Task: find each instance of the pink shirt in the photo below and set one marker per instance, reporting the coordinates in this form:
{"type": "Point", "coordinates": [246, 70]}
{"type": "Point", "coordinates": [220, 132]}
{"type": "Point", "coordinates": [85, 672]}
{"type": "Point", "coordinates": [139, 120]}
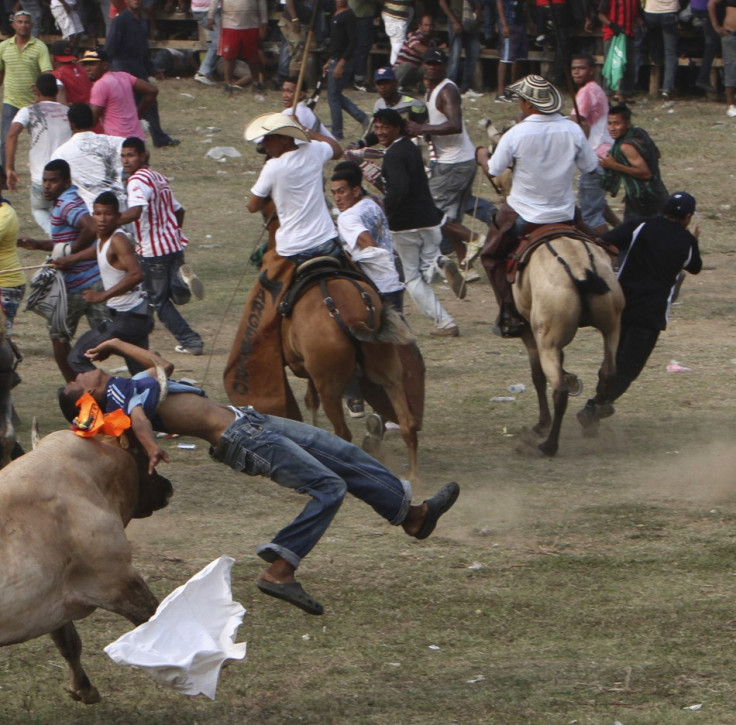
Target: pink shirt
{"type": "Point", "coordinates": [113, 92]}
{"type": "Point", "coordinates": [593, 106]}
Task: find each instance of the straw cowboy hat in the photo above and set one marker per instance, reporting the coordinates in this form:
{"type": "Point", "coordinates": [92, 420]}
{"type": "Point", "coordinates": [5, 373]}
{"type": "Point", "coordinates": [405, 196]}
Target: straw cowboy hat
{"type": "Point", "coordinates": [271, 124]}
{"type": "Point", "coordinates": [537, 91]}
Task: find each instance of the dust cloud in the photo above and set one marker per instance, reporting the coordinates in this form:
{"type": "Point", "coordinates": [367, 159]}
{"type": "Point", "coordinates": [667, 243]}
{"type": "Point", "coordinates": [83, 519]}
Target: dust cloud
{"type": "Point", "coordinates": [705, 474]}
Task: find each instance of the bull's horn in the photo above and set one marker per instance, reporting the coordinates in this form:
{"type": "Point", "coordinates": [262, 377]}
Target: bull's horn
{"type": "Point", "coordinates": [162, 382]}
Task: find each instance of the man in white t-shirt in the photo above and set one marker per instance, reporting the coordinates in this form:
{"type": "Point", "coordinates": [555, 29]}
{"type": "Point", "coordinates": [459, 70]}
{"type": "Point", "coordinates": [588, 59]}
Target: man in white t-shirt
{"type": "Point", "coordinates": [544, 151]}
{"type": "Point", "coordinates": [47, 124]}
{"type": "Point", "coordinates": [365, 236]}
{"type": "Point", "coordinates": [292, 177]}
{"type": "Point", "coordinates": [304, 114]}
{"type": "Point", "coordinates": [364, 233]}
{"type": "Point", "coordinates": [94, 158]}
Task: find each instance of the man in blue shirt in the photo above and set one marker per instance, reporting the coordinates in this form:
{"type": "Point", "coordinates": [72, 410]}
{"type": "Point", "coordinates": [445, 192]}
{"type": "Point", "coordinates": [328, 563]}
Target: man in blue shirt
{"type": "Point", "coordinates": [295, 455]}
{"type": "Point", "coordinates": [72, 230]}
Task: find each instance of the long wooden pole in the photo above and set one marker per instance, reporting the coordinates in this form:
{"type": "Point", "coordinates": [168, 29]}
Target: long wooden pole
{"type": "Point", "coordinates": [305, 58]}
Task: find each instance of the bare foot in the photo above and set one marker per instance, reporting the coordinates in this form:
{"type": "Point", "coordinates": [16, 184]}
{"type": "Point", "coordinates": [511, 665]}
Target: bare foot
{"type": "Point", "coordinates": [415, 518]}
{"type": "Point", "coordinates": [280, 572]}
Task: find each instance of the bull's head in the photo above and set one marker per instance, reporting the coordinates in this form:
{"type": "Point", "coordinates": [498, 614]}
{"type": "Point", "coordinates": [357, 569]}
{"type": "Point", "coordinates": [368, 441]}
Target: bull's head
{"type": "Point", "coordinates": [154, 490]}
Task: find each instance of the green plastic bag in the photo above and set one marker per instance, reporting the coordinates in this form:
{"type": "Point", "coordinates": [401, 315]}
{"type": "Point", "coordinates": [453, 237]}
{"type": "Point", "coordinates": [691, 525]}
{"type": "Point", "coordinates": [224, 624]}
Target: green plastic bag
{"type": "Point", "coordinates": [613, 67]}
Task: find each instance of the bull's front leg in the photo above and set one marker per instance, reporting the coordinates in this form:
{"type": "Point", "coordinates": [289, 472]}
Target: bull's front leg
{"type": "Point", "coordinates": [68, 643]}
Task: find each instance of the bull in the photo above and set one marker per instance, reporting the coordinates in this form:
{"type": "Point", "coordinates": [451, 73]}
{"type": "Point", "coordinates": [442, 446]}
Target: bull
{"type": "Point", "coordinates": [63, 550]}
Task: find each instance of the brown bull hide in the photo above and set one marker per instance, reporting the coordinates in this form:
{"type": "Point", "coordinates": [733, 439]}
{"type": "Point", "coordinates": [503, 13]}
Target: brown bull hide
{"type": "Point", "coordinates": [63, 549]}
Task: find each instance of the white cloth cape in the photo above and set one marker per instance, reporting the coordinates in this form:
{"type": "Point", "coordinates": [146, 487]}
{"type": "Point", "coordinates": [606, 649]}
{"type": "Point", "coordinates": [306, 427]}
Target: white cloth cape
{"type": "Point", "coordinates": [192, 633]}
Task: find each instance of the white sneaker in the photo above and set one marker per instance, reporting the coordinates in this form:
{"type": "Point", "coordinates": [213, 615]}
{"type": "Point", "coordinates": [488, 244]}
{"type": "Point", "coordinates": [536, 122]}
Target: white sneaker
{"type": "Point", "coordinates": [204, 80]}
{"type": "Point", "coordinates": [191, 280]}
{"type": "Point", "coordinates": [453, 276]}
{"type": "Point", "coordinates": [188, 350]}
{"type": "Point", "coordinates": [473, 248]}
{"type": "Point", "coordinates": [731, 112]}
{"type": "Point", "coordinates": [470, 93]}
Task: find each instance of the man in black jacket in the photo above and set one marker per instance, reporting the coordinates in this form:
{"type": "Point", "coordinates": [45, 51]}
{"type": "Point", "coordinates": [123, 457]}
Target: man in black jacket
{"type": "Point", "coordinates": [657, 250]}
{"type": "Point", "coordinates": [414, 221]}
{"type": "Point", "coordinates": [339, 67]}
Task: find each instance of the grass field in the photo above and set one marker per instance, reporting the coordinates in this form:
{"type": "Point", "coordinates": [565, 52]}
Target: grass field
{"type": "Point", "coordinates": [592, 588]}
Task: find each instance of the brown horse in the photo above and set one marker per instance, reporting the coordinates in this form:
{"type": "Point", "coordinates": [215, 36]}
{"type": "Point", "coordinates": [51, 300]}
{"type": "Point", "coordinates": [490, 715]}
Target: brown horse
{"type": "Point", "coordinates": [556, 299]}
{"type": "Point", "coordinates": [327, 344]}
{"type": "Point", "coordinates": [329, 354]}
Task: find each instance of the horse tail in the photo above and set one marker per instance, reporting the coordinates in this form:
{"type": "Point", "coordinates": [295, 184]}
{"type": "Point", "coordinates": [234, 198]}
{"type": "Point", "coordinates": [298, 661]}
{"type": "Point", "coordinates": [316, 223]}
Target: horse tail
{"type": "Point", "coordinates": [593, 284]}
{"type": "Point", "coordinates": [393, 330]}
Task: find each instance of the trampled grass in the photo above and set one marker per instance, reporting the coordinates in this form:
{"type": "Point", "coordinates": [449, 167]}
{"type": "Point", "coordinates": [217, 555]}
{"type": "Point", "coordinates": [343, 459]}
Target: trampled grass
{"type": "Point", "coordinates": [592, 588]}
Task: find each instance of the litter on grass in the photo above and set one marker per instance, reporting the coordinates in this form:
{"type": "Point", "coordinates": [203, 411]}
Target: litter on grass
{"type": "Point", "coordinates": [221, 152]}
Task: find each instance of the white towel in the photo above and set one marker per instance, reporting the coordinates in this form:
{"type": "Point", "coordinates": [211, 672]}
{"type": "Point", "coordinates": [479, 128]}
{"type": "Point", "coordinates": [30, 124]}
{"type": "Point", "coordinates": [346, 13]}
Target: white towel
{"type": "Point", "coordinates": [192, 633]}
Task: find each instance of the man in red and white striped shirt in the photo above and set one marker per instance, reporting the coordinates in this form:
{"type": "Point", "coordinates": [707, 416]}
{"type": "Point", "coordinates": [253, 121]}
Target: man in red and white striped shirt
{"type": "Point", "coordinates": [157, 218]}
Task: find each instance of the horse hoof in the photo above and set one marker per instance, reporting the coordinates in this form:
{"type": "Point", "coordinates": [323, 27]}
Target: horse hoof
{"type": "Point", "coordinates": [547, 449]}
{"type": "Point", "coordinates": [574, 385]}
{"type": "Point", "coordinates": [89, 695]}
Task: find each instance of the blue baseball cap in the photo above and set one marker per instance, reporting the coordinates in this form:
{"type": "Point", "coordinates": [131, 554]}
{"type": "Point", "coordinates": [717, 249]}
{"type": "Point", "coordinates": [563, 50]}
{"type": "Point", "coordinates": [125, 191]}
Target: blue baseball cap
{"type": "Point", "coordinates": [384, 74]}
{"type": "Point", "coordinates": [680, 204]}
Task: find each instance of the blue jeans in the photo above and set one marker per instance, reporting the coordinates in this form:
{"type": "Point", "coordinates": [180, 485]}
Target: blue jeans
{"type": "Point", "coordinates": [666, 23]}
{"type": "Point", "coordinates": [207, 66]}
{"type": "Point", "coordinates": [470, 42]}
{"type": "Point", "coordinates": [592, 198]}
{"type": "Point", "coordinates": [165, 287]}
{"type": "Point", "coordinates": [481, 209]}
{"type": "Point", "coordinates": [711, 41]}
{"type": "Point", "coordinates": [330, 248]}
{"type": "Point", "coordinates": [7, 118]}
{"type": "Point", "coordinates": [364, 31]}
{"type": "Point", "coordinates": [338, 101]}
{"type": "Point", "coordinates": [312, 461]}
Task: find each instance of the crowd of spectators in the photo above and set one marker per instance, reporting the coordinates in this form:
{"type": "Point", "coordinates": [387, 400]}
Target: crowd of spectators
{"type": "Point", "coordinates": [269, 36]}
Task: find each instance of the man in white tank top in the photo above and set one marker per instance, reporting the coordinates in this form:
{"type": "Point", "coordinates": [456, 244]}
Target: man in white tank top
{"type": "Point", "coordinates": [452, 176]}
{"type": "Point", "coordinates": [121, 274]}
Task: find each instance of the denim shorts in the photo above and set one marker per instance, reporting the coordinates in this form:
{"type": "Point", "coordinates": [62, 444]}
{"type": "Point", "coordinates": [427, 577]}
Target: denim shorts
{"type": "Point", "coordinates": [97, 313]}
{"type": "Point", "coordinates": [728, 45]}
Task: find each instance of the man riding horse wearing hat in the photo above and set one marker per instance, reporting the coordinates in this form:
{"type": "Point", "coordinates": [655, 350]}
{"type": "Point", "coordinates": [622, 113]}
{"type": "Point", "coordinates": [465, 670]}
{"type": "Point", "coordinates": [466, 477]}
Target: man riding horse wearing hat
{"type": "Point", "coordinates": [543, 150]}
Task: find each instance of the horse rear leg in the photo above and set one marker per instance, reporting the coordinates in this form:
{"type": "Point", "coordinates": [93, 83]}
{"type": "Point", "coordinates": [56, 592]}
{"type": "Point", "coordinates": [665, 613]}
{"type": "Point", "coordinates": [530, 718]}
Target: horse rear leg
{"type": "Point", "coordinates": [383, 365]}
{"type": "Point", "coordinates": [539, 380]}
{"type": "Point", "coordinates": [69, 645]}
{"type": "Point", "coordinates": [311, 400]}
{"type": "Point", "coordinates": [550, 359]}
{"type": "Point", "coordinates": [607, 371]}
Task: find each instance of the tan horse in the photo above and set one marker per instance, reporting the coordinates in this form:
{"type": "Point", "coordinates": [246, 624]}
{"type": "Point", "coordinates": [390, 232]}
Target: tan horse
{"type": "Point", "coordinates": [556, 299]}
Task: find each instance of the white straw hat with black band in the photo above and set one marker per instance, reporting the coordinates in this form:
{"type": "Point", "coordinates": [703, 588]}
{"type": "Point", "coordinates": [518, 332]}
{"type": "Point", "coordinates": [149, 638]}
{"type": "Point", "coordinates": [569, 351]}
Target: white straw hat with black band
{"type": "Point", "coordinates": [539, 92]}
{"type": "Point", "coordinates": [270, 124]}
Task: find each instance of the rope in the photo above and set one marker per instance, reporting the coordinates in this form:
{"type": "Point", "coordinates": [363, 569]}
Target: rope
{"type": "Point", "coordinates": [19, 269]}
{"type": "Point", "coordinates": [228, 306]}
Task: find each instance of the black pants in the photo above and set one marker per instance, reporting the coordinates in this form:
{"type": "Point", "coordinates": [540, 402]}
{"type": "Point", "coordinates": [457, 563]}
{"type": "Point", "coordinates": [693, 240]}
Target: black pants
{"type": "Point", "coordinates": [634, 349]}
{"type": "Point", "coordinates": [132, 328]}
